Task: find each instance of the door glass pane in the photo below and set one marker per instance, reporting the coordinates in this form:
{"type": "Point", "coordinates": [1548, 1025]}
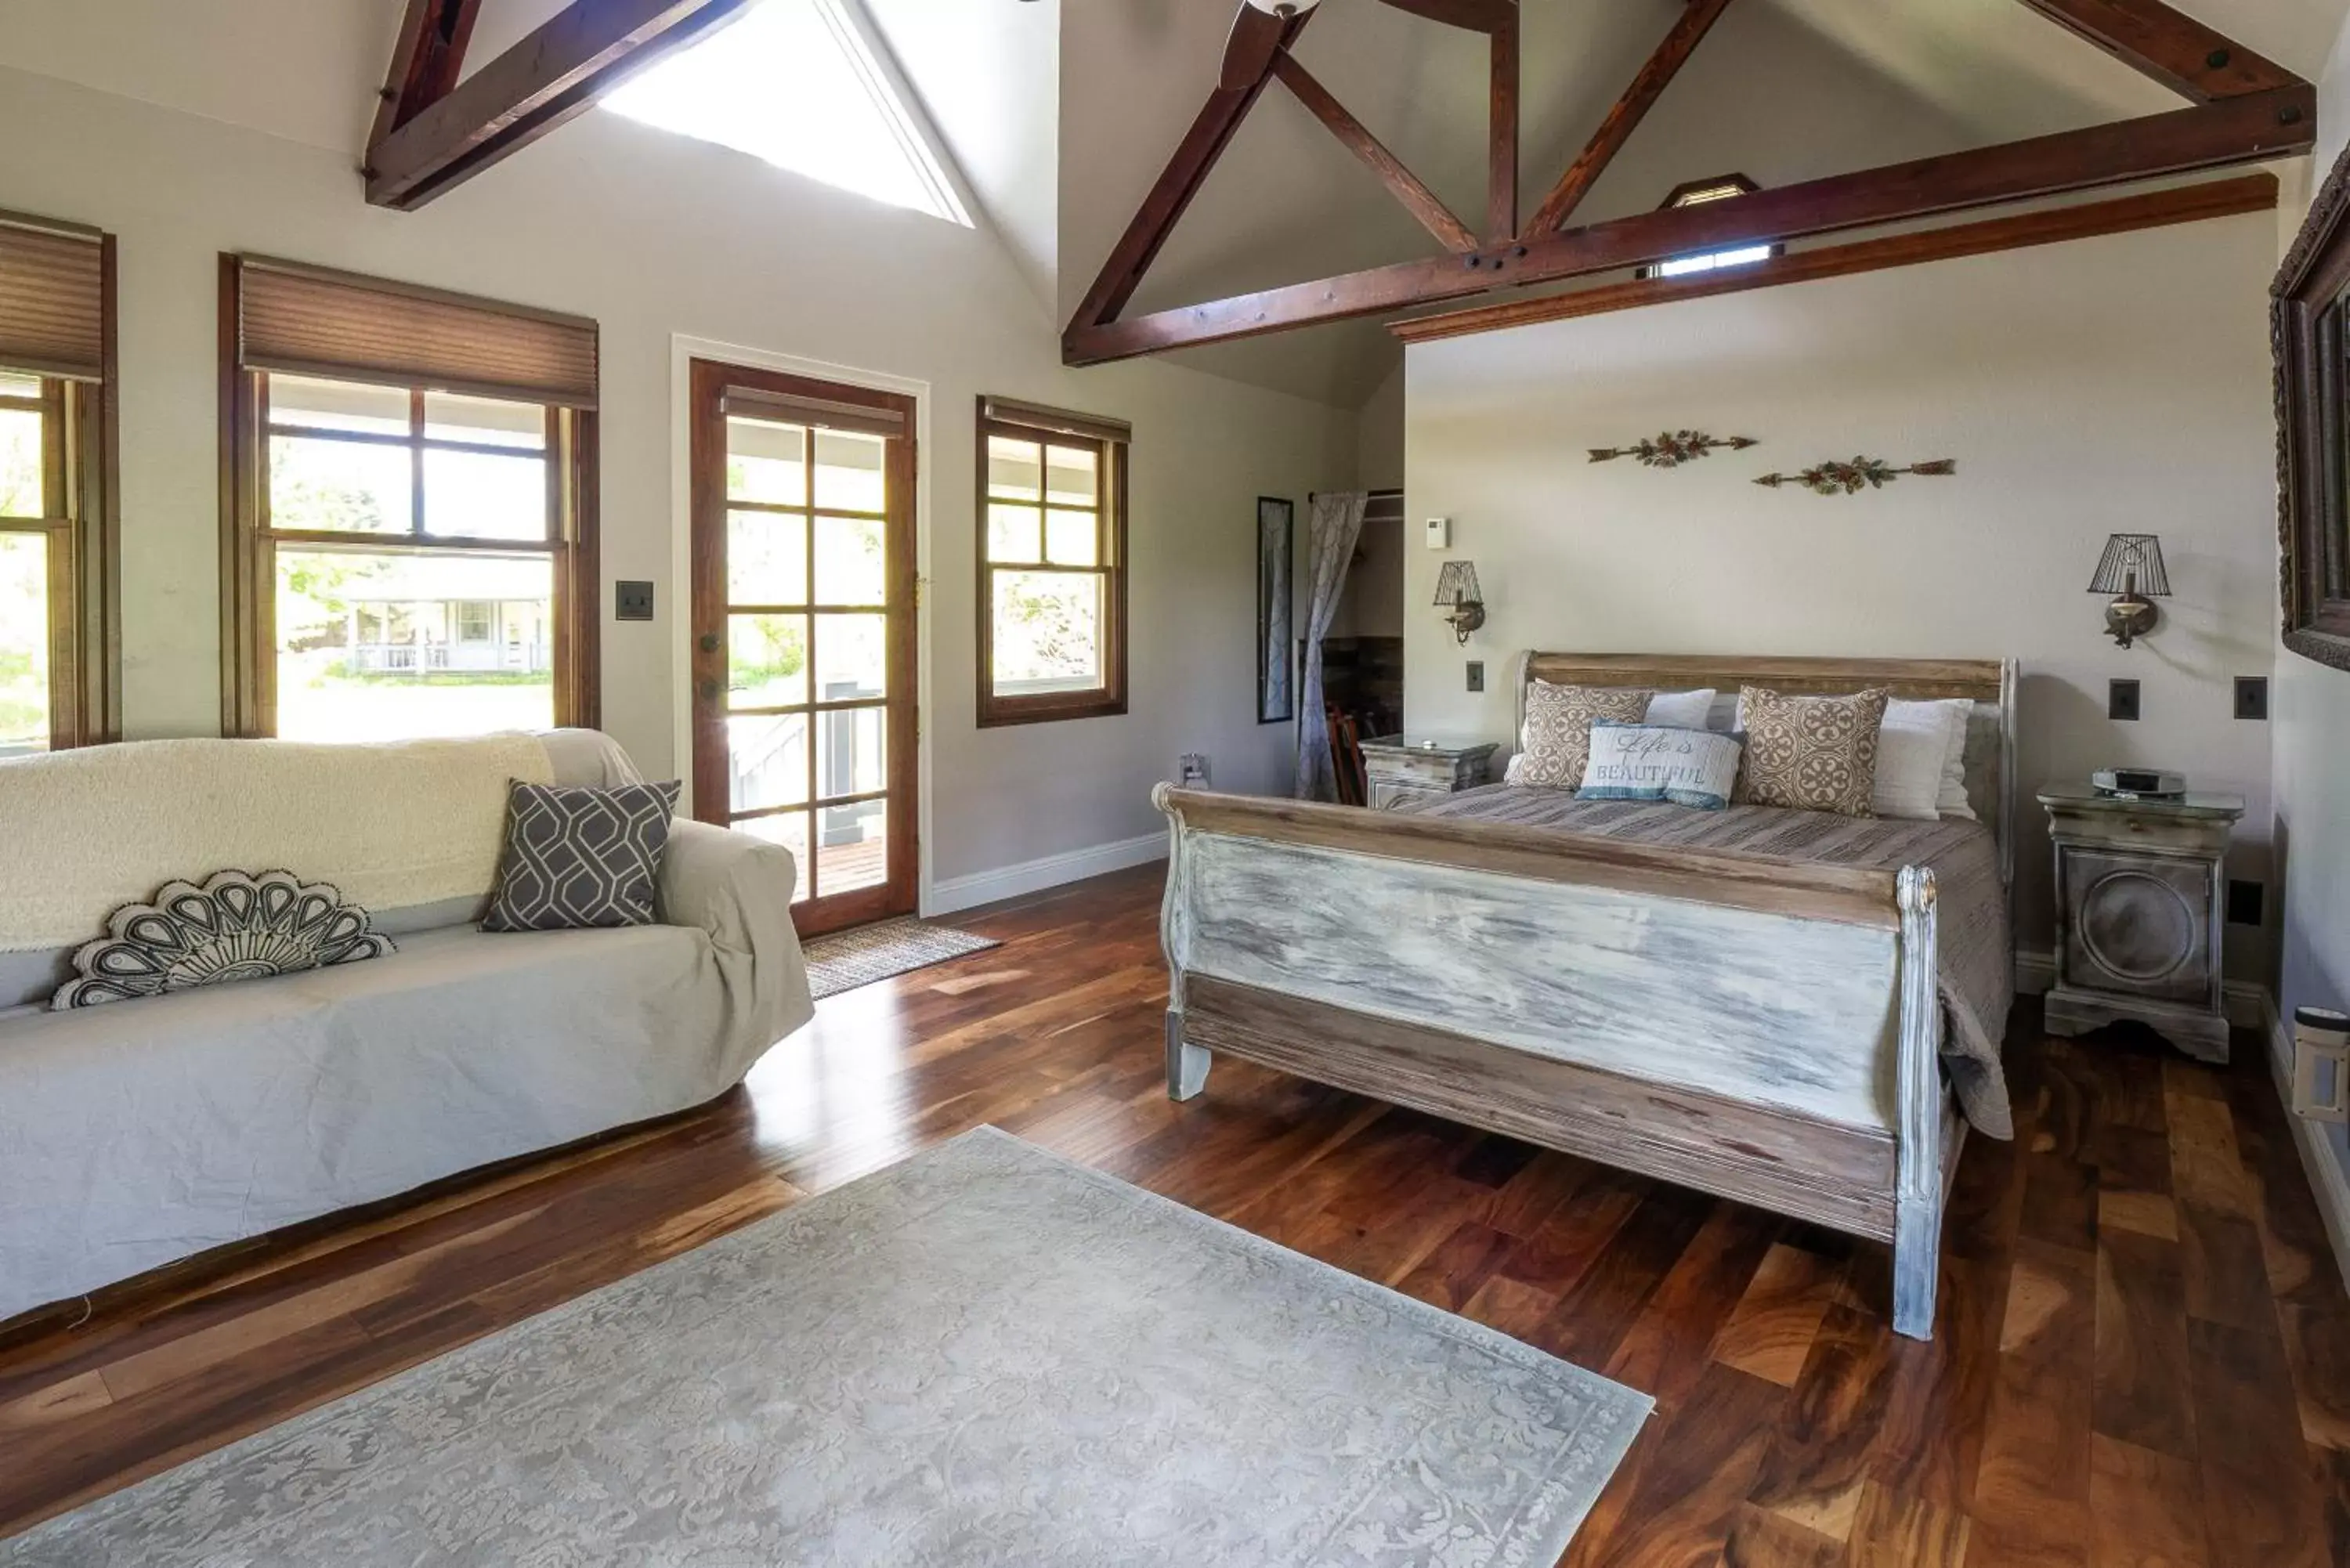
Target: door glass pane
{"type": "Point", "coordinates": [337, 406]}
{"type": "Point", "coordinates": [766, 558]}
{"type": "Point", "coordinates": [20, 463]}
{"type": "Point", "coordinates": [1073, 538]}
{"type": "Point", "coordinates": [374, 647]}
{"type": "Point", "coordinates": [790, 829]}
{"type": "Point", "coordinates": [766, 462]}
{"type": "Point", "coordinates": [473, 496]}
{"type": "Point", "coordinates": [1047, 631]}
{"type": "Point", "coordinates": [852, 756]}
{"type": "Point", "coordinates": [24, 643]}
{"type": "Point", "coordinates": [767, 755]}
{"type": "Point", "coordinates": [766, 660]}
{"type": "Point", "coordinates": [1013, 534]}
{"type": "Point", "coordinates": [852, 657]}
{"type": "Point", "coordinates": [1072, 475]}
{"type": "Point", "coordinates": [1012, 467]}
{"type": "Point", "coordinates": [852, 847]}
{"type": "Point", "coordinates": [338, 486]}
{"type": "Point", "coordinates": [484, 422]}
{"type": "Point", "coordinates": [852, 565]}
{"type": "Point", "coordinates": [848, 470]}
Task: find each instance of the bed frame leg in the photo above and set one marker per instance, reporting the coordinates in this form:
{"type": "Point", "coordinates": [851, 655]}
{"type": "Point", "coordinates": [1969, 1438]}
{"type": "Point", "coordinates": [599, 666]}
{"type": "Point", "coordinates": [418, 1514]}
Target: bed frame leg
{"type": "Point", "coordinates": [1917, 1262]}
{"type": "Point", "coordinates": [1187, 1064]}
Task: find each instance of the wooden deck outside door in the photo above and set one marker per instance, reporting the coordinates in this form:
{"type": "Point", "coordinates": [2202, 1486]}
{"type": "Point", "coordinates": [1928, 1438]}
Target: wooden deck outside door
{"type": "Point", "coordinates": [802, 670]}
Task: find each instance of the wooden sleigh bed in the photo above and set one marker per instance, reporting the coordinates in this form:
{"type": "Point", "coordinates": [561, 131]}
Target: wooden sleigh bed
{"type": "Point", "coordinates": [1763, 1028]}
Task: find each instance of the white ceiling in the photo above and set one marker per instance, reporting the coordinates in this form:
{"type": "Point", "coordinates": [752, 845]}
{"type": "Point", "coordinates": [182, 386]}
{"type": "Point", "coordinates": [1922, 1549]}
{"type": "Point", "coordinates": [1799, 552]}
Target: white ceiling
{"type": "Point", "coordinates": [1060, 113]}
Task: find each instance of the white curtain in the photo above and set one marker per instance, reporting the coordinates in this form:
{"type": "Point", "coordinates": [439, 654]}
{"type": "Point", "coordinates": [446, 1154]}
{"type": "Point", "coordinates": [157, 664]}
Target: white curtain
{"type": "Point", "coordinates": [1333, 525]}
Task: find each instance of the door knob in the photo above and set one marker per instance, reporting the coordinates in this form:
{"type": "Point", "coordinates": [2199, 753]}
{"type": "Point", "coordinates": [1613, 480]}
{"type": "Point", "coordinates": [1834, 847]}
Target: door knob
{"type": "Point", "coordinates": [710, 692]}
{"type": "Point", "coordinates": [709, 641]}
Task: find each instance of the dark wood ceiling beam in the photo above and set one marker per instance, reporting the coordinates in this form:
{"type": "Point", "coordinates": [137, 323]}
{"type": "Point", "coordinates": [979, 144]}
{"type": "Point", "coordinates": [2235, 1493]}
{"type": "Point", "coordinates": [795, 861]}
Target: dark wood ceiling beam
{"type": "Point", "coordinates": [2172, 48]}
{"type": "Point", "coordinates": [1624, 115]}
{"type": "Point", "coordinates": [2252, 129]}
{"type": "Point", "coordinates": [1417, 200]}
{"type": "Point", "coordinates": [1501, 163]}
{"type": "Point", "coordinates": [546, 79]}
{"type": "Point", "coordinates": [426, 60]}
{"type": "Point", "coordinates": [1211, 131]}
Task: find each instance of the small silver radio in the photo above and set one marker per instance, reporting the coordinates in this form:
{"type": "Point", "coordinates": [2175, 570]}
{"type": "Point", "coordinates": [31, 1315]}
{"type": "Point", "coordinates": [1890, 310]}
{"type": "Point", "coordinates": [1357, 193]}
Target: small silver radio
{"type": "Point", "coordinates": [2139, 784]}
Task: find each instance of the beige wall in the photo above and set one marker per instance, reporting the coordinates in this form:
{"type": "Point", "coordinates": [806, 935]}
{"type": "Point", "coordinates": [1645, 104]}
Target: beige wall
{"type": "Point", "coordinates": [655, 236]}
{"type": "Point", "coordinates": [2106, 385]}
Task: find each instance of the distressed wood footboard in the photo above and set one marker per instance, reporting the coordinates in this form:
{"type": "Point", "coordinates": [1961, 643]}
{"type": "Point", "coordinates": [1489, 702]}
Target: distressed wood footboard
{"type": "Point", "coordinates": [1762, 1028]}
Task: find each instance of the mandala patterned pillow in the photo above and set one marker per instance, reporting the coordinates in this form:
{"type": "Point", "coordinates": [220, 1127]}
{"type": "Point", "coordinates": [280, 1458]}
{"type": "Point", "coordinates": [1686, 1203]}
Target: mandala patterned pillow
{"type": "Point", "coordinates": [577, 858]}
{"type": "Point", "coordinates": [1557, 745]}
{"type": "Point", "coordinates": [239, 925]}
{"type": "Point", "coordinates": [1813, 753]}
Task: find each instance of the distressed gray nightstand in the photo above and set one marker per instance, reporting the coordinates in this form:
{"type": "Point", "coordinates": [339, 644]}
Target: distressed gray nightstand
{"type": "Point", "coordinates": [1404, 768]}
{"type": "Point", "coordinates": [2137, 913]}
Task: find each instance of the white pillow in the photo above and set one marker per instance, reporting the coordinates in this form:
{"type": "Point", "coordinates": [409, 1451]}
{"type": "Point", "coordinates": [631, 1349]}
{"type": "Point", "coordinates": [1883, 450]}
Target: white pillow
{"type": "Point", "coordinates": [1680, 710]}
{"type": "Point", "coordinates": [1912, 745]}
{"type": "Point", "coordinates": [1656, 761]}
{"type": "Point", "coordinates": [1953, 802]}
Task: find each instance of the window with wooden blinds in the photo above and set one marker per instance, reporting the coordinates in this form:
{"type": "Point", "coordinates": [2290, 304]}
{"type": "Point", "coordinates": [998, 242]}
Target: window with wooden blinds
{"type": "Point", "coordinates": [52, 299]}
{"type": "Point", "coordinates": [307, 321]}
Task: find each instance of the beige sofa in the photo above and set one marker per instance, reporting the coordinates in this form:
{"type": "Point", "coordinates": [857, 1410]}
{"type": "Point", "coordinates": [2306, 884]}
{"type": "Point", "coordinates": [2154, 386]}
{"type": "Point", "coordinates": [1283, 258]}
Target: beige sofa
{"type": "Point", "coordinates": [139, 1132]}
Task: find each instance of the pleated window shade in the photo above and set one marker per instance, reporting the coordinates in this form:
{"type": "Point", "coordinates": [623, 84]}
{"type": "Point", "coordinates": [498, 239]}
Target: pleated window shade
{"type": "Point", "coordinates": [308, 322]}
{"type": "Point", "coordinates": [52, 301]}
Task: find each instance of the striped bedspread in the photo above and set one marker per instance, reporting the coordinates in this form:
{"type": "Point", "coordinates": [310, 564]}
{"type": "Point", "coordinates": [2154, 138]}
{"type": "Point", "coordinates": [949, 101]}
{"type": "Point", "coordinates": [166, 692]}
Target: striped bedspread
{"type": "Point", "coordinates": [1975, 948]}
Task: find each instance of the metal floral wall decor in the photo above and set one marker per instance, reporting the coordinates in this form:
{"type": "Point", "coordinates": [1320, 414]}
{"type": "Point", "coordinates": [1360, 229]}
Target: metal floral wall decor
{"type": "Point", "coordinates": [1674, 448]}
{"type": "Point", "coordinates": [1851, 478]}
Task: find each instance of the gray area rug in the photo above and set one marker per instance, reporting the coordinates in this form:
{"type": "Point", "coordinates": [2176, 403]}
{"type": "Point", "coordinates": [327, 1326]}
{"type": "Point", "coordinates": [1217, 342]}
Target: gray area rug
{"type": "Point", "coordinates": [847, 959]}
{"type": "Point", "coordinates": [984, 1356]}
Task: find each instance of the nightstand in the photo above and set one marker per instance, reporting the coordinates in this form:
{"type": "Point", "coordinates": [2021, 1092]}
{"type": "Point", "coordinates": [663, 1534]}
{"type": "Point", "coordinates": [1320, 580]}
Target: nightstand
{"type": "Point", "coordinates": [2137, 914]}
{"type": "Point", "coordinates": [1403, 768]}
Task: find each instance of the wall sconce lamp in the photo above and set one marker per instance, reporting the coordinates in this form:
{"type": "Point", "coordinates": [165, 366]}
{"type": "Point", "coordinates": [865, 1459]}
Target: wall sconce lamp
{"type": "Point", "coordinates": [1457, 591]}
{"type": "Point", "coordinates": [2131, 570]}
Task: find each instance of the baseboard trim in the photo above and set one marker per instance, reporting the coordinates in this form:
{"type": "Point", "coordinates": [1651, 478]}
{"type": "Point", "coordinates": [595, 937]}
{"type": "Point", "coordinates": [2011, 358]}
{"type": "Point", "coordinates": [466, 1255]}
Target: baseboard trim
{"type": "Point", "coordinates": [2246, 1003]}
{"type": "Point", "coordinates": [2326, 1178]}
{"type": "Point", "coordinates": [1036, 876]}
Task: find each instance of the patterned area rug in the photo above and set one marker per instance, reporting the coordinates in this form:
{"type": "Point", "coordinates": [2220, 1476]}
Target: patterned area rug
{"type": "Point", "coordinates": [847, 959]}
{"type": "Point", "coordinates": [984, 1356]}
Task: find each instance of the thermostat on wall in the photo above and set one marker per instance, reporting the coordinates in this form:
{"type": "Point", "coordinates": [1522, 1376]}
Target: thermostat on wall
{"type": "Point", "coordinates": [1440, 533]}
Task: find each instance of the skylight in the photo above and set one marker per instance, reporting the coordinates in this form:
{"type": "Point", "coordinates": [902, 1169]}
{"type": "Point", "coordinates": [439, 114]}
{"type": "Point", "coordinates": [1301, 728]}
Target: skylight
{"type": "Point", "coordinates": [800, 84]}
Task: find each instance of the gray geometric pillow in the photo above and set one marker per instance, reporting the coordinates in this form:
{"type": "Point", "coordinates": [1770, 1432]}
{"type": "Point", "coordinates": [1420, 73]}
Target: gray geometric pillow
{"type": "Point", "coordinates": [239, 925]}
{"type": "Point", "coordinates": [578, 859]}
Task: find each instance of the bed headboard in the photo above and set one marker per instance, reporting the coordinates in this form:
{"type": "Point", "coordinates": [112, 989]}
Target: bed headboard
{"type": "Point", "coordinates": [1989, 684]}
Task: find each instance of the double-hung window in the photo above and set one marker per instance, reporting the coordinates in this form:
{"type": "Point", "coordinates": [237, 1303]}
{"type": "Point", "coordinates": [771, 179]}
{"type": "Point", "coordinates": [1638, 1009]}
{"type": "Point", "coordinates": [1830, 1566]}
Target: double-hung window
{"type": "Point", "coordinates": [1052, 563]}
{"type": "Point", "coordinates": [411, 547]}
{"type": "Point", "coordinates": [59, 645]}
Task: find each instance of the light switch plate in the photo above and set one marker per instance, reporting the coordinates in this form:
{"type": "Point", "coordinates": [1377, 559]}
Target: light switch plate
{"type": "Point", "coordinates": [1440, 533]}
{"type": "Point", "coordinates": [2252, 697]}
{"type": "Point", "coordinates": [632, 601]}
{"type": "Point", "coordinates": [1476, 675]}
{"type": "Point", "coordinates": [2121, 700]}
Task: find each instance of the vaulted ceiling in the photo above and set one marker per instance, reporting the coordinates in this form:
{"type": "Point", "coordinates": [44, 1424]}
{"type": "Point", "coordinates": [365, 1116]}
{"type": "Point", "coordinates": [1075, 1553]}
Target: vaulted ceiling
{"type": "Point", "coordinates": [1062, 112]}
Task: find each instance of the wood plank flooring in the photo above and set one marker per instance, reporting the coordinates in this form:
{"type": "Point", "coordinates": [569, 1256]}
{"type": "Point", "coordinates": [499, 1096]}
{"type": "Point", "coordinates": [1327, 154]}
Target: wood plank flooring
{"type": "Point", "coordinates": [2142, 1357]}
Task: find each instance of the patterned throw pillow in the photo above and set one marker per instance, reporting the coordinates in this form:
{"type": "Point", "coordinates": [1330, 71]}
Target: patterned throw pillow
{"type": "Point", "coordinates": [238, 926]}
{"type": "Point", "coordinates": [1557, 742]}
{"type": "Point", "coordinates": [1655, 761]}
{"type": "Point", "coordinates": [577, 858]}
{"type": "Point", "coordinates": [1813, 753]}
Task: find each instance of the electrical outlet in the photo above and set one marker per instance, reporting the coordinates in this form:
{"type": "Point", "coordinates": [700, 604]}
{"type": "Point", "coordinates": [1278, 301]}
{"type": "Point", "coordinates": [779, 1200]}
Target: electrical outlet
{"type": "Point", "coordinates": [2245, 902]}
{"type": "Point", "coordinates": [632, 601]}
{"type": "Point", "coordinates": [1476, 675]}
{"type": "Point", "coordinates": [2121, 700]}
{"type": "Point", "coordinates": [2252, 697]}
{"type": "Point", "coordinates": [1191, 770]}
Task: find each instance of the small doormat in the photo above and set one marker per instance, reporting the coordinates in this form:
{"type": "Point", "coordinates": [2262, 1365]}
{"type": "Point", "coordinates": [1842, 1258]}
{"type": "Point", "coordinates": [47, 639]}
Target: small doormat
{"type": "Point", "coordinates": [847, 959]}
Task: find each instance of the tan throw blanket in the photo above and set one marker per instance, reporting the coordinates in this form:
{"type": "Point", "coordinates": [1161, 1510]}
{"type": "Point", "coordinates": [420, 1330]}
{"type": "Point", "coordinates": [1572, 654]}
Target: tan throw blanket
{"type": "Point", "coordinates": [390, 825]}
{"type": "Point", "coordinates": [1974, 948]}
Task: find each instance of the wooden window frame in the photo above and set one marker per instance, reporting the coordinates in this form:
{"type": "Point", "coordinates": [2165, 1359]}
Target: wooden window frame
{"type": "Point", "coordinates": [2309, 333]}
{"type": "Point", "coordinates": [1111, 442]}
{"type": "Point", "coordinates": [80, 462]}
{"type": "Point", "coordinates": [249, 544]}
{"type": "Point", "coordinates": [1679, 196]}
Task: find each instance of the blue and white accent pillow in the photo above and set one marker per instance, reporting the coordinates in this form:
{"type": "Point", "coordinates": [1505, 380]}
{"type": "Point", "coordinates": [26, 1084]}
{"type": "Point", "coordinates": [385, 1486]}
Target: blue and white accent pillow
{"type": "Point", "coordinates": [1657, 762]}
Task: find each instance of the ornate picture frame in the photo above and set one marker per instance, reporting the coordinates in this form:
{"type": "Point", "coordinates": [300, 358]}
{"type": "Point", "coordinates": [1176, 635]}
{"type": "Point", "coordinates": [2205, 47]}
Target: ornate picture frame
{"type": "Point", "coordinates": [2309, 337]}
{"type": "Point", "coordinates": [1276, 598]}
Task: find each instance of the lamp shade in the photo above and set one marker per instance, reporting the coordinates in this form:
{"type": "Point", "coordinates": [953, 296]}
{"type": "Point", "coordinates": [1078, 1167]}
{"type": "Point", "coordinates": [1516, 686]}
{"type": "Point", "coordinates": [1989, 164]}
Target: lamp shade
{"type": "Point", "coordinates": [1456, 584]}
{"type": "Point", "coordinates": [2132, 564]}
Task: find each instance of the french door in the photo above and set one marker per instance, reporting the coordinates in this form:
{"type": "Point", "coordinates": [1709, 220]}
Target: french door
{"type": "Point", "coordinates": [803, 668]}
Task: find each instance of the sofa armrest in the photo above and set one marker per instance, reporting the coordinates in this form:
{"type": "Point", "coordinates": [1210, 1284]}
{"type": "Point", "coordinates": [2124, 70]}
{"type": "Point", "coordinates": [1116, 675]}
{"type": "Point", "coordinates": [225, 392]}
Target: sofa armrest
{"type": "Point", "coordinates": [736, 888]}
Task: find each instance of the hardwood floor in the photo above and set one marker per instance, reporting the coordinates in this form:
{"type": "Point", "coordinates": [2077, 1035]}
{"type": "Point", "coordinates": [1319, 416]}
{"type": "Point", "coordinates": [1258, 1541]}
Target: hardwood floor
{"type": "Point", "coordinates": [2142, 1357]}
